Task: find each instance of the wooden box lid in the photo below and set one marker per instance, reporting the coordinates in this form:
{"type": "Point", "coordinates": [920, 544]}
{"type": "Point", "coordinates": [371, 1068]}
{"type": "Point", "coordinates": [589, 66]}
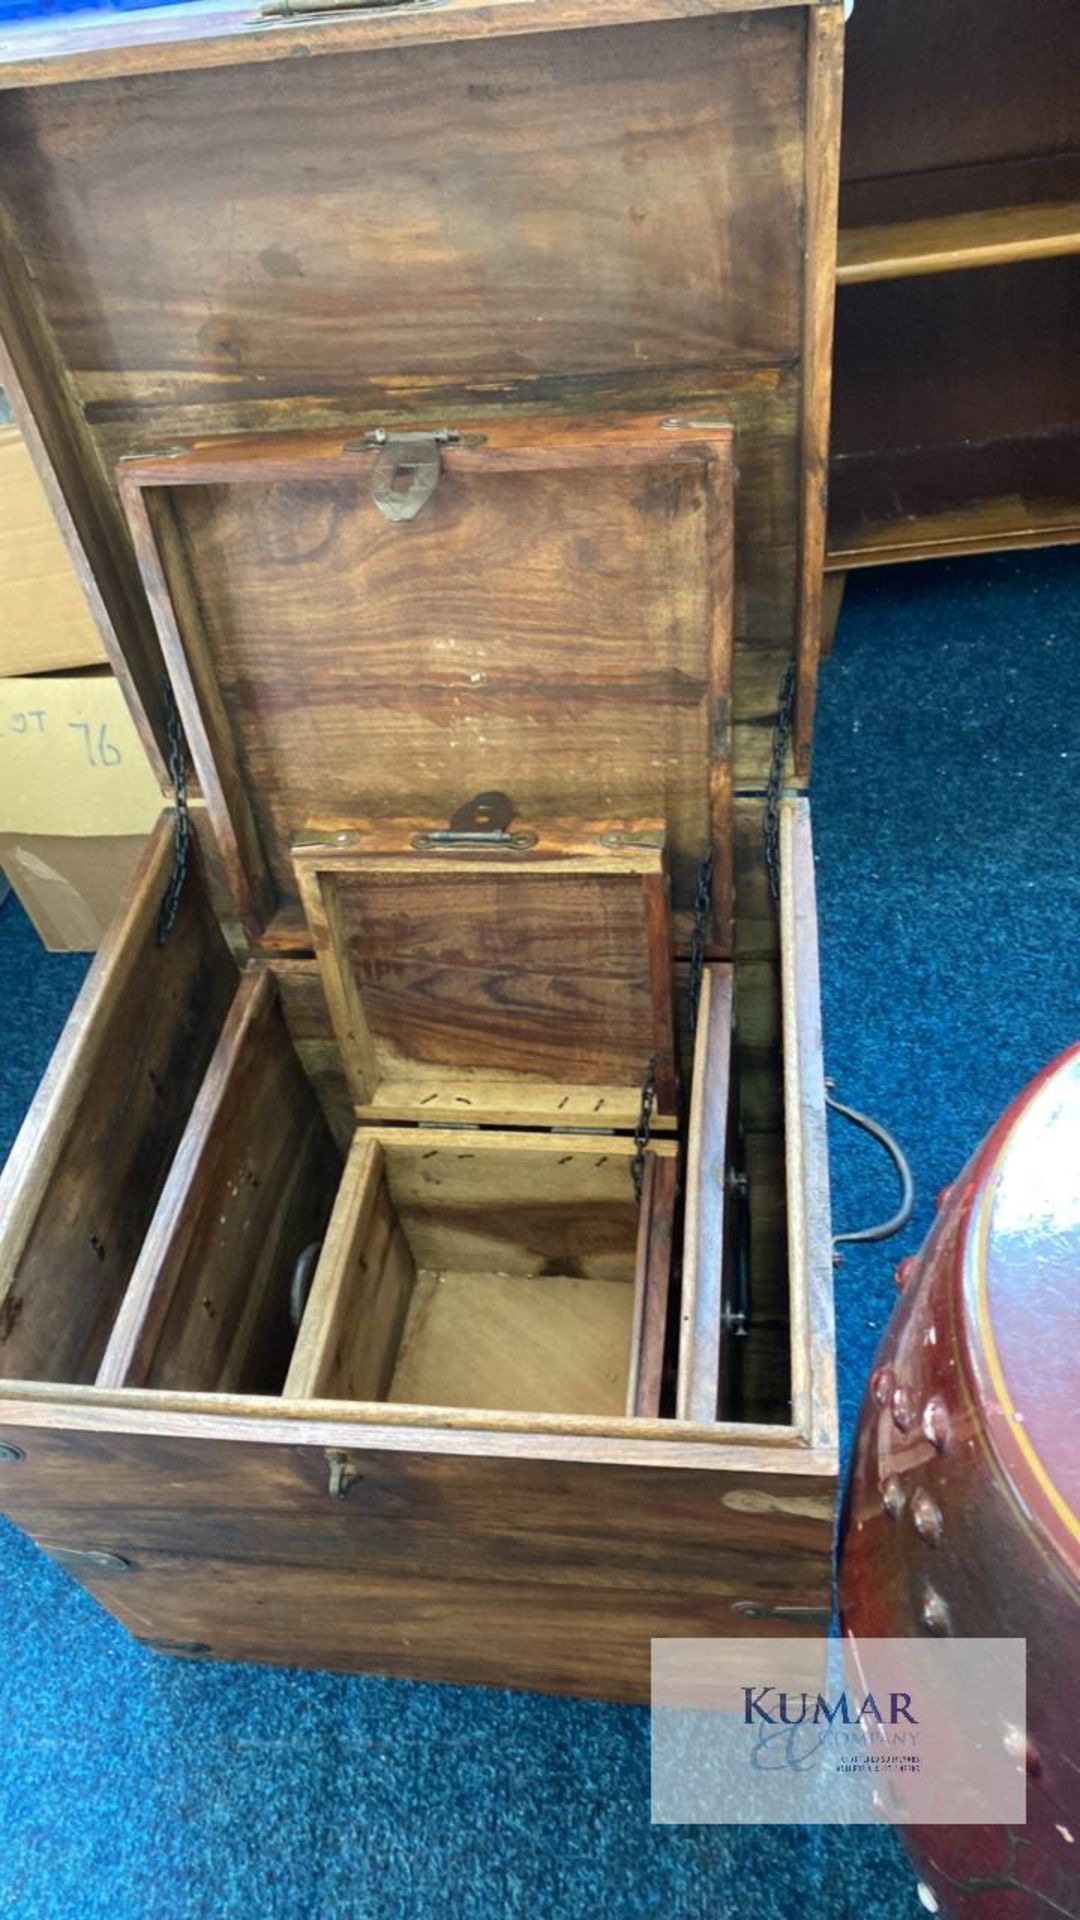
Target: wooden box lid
{"type": "Point", "coordinates": [524, 981]}
{"type": "Point", "coordinates": [358, 631]}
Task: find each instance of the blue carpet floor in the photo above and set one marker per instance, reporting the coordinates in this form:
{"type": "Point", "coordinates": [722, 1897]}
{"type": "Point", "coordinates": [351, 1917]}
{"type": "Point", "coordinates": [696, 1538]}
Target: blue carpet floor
{"type": "Point", "coordinates": [133, 1788]}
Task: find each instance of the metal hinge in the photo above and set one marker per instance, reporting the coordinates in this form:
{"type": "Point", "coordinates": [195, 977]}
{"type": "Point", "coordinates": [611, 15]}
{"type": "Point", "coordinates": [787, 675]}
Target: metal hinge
{"type": "Point", "coordinates": [408, 467]}
{"type": "Point", "coordinates": [483, 821]}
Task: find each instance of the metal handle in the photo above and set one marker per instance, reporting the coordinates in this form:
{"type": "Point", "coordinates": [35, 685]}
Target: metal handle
{"type": "Point", "coordinates": [300, 1285]}
{"type": "Point", "coordinates": [864, 1236]}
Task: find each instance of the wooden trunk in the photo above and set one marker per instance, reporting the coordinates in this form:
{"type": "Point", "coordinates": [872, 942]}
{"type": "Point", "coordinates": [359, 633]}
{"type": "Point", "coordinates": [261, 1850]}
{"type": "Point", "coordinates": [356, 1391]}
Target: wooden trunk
{"type": "Point", "coordinates": [436, 403]}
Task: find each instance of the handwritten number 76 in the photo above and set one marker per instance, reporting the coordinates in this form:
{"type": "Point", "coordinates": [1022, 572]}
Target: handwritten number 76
{"type": "Point", "coordinates": [100, 751]}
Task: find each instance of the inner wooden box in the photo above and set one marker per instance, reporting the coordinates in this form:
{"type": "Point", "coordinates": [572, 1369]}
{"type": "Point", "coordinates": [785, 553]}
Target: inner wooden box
{"type": "Point", "coordinates": [496, 977]}
{"type": "Point", "coordinates": [490, 1270]}
{"type": "Point", "coordinates": [505, 984]}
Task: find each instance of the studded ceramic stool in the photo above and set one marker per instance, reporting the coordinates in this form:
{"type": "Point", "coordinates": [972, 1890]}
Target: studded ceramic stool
{"type": "Point", "coordinates": [962, 1503]}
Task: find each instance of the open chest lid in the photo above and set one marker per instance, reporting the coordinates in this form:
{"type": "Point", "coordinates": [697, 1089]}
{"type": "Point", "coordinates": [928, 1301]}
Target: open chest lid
{"type": "Point", "coordinates": [480, 975]}
{"type": "Point", "coordinates": [375, 627]}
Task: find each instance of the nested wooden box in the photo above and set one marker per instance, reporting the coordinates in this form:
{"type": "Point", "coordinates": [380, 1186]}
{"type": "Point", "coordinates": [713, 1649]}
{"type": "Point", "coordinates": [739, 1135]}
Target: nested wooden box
{"type": "Point", "coordinates": [436, 403]}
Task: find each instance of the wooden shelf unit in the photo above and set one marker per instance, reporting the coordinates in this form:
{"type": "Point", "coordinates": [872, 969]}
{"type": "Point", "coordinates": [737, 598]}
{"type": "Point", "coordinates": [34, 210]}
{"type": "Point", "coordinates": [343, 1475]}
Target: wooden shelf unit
{"type": "Point", "coordinates": [956, 423]}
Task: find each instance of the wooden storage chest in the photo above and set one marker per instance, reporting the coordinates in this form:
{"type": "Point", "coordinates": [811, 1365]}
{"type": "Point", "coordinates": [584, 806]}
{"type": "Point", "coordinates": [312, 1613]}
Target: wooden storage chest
{"type": "Point", "coordinates": [435, 401]}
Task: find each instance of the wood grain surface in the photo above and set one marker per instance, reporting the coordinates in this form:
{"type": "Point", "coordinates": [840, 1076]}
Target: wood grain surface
{"type": "Point", "coordinates": [462, 973]}
{"type": "Point", "coordinates": [488, 1270]}
{"type": "Point", "coordinates": [554, 625]}
{"type": "Point", "coordinates": [652, 1286]}
{"type": "Point", "coordinates": [83, 1177]}
{"type": "Point", "coordinates": [470, 211]}
{"type": "Point", "coordinates": [956, 386]}
{"type": "Point", "coordinates": [825, 40]}
{"type": "Point", "coordinates": [706, 1233]}
{"type": "Point", "coordinates": [1016, 96]}
{"type": "Point", "coordinates": [548, 1574]}
{"type": "Point", "coordinates": [190, 270]}
{"type": "Point", "coordinates": [251, 1187]}
{"type": "Point", "coordinates": [810, 1247]}
{"type": "Point", "coordinates": [517, 1203]}
{"type": "Point", "coordinates": [554, 1344]}
{"type": "Point", "coordinates": [38, 388]}
{"type": "Point", "coordinates": [351, 1329]}
{"type": "Point", "coordinates": [307, 1017]}
{"type": "Point", "coordinates": [231, 35]}
{"type": "Point", "coordinates": [1001, 458]}
{"type": "Point", "coordinates": [990, 237]}
{"type": "Point", "coordinates": [603, 238]}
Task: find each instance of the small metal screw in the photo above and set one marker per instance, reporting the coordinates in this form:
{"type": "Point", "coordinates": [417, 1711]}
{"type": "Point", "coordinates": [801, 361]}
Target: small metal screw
{"type": "Point", "coordinates": [8, 1454]}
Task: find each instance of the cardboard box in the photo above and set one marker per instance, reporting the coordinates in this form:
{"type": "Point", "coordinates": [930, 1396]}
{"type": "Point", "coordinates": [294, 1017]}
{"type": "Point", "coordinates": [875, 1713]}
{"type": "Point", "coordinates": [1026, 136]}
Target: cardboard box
{"type": "Point", "coordinates": [69, 887]}
{"type": "Point", "coordinates": [45, 622]}
{"type": "Point", "coordinates": [77, 799]}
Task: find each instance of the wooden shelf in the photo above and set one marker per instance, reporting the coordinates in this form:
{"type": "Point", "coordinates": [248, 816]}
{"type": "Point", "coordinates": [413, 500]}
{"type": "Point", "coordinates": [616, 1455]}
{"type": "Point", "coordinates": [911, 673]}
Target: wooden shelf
{"type": "Point", "coordinates": [993, 237]}
{"type": "Point", "coordinates": [933, 502]}
{"type": "Point", "coordinates": [956, 397]}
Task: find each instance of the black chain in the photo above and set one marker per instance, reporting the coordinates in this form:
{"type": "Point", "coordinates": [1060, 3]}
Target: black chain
{"type": "Point", "coordinates": [641, 1131]}
{"type": "Point", "coordinates": [176, 761]}
{"type": "Point", "coordinates": [781, 738]}
{"type": "Point", "coordinates": [699, 939]}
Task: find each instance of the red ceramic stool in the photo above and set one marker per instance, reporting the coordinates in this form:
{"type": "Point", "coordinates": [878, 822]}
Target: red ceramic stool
{"type": "Point", "coordinates": [962, 1502]}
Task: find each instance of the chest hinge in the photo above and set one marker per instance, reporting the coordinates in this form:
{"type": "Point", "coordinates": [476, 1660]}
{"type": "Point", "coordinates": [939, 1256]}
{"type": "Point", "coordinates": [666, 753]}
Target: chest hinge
{"type": "Point", "coordinates": [484, 821]}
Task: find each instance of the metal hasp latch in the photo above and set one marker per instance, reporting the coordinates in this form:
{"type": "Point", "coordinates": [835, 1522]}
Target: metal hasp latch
{"type": "Point", "coordinates": [483, 821]}
{"type": "Point", "coordinates": [341, 1475]}
{"type": "Point", "coordinates": [407, 470]}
